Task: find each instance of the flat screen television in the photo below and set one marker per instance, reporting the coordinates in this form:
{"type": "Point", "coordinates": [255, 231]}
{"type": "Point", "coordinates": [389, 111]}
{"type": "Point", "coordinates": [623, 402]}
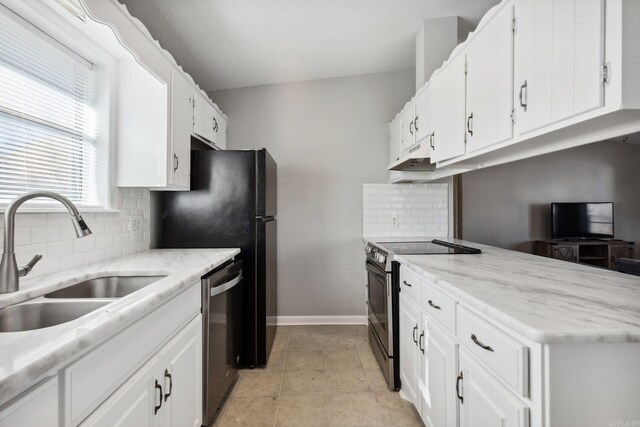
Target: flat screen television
{"type": "Point", "coordinates": [581, 221]}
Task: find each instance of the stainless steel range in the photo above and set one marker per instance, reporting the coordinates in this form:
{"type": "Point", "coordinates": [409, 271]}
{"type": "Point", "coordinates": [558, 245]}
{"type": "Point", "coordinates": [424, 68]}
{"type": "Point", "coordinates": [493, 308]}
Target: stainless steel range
{"type": "Point", "coordinates": [383, 288]}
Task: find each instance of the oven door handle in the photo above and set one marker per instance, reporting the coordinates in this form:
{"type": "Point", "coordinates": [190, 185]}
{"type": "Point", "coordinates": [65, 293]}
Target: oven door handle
{"type": "Point", "coordinates": [375, 270]}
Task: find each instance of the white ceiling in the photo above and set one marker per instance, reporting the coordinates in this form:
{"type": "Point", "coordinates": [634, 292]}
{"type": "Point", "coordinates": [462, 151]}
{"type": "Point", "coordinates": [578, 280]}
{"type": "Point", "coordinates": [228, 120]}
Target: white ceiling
{"type": "Point", "coordinates": [227, 44]}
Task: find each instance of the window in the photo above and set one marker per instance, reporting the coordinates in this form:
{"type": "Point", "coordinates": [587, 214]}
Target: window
{"type": "Point", "coordinates": [48, 136]}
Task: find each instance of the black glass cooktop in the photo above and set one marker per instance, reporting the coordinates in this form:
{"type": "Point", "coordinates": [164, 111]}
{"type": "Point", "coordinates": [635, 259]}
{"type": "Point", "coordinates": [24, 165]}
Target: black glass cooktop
{"type": "Point", "coordinates": [432, 247]}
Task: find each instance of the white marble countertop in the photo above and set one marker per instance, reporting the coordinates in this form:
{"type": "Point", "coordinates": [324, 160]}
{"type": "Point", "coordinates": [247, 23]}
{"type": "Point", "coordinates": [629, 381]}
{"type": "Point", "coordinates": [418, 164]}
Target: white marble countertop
{"type": "Point", "coordinates": [545, 300]}
{"type": "Point", "coordinates": [27, 356]}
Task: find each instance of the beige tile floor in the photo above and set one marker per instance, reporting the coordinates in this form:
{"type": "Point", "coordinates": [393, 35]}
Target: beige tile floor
{"type": "Point", "coordinates": [317, 376]}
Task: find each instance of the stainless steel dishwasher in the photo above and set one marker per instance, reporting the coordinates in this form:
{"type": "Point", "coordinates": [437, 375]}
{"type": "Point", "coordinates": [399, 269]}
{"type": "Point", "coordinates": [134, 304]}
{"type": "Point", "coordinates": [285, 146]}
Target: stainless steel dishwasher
{"type": "Point", "coordinates": [222, 317]}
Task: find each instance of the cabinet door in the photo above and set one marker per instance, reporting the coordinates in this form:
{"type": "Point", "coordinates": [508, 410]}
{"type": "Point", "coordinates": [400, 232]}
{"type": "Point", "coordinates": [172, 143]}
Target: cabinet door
{"type": "Point", "coordinates": [448, 108]}
{"type": "Point", "coordinates": [395, 140]}
{"type": "Point", "coordinates": [439, 367]}
{"type": "Point", "coordinates": [221, 133]}
{"type": "Point", "coordinates": [408, 119]}
{"type": "Point", "coordinates": [409, 364]}
{"type": "Point", "coordinates": [182, 364]}
{"type": "Point", "coordinates": [484, 403]}
{"type": "Point", "coordinates": [565, 252]}
{"type": "Point", "coordinates": [617, 251]}
{"type": "Point", "coordinates": [181, 129]}
{"type": "Point", "coordinates": [38, 407]}
{"type": "Point", "coordinates": [204, 113]}
{"type": "Point", "coordinates": [422, 123]}
{"type": "Point", "coordinates": [490, 83]}
{"type": "Point", "coordinates": [559, 54]}
{"type": "Point", "coordinates": [134, 403]}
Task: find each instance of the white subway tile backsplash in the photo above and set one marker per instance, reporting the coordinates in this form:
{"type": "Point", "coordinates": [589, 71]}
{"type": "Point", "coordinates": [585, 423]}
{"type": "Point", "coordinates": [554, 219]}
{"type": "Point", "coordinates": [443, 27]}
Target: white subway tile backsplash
{"type": "Point", "coordinates": [52, 235]}
{"type": "Point", "coordinates": [45, 233]}
{"type": "Point", "coordinates": [421, 210]}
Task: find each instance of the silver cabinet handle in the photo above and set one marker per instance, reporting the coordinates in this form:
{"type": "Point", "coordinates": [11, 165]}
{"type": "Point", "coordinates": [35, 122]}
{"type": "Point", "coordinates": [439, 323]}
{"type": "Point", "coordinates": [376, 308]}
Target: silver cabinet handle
{"type": "Point", "coordinates": [523, 98]}
{"type": "Point", "coordinates": [176, 162]}
{"type": "Point", "coordinates": [437, 307]}
{"type": "Point", "coordinates": [479, 344]}
{"type": "Point", "coordinates": [431, 142]}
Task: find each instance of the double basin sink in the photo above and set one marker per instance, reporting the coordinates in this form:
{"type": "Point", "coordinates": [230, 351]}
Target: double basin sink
{"type": "Point", "coordinates": [70, 303]}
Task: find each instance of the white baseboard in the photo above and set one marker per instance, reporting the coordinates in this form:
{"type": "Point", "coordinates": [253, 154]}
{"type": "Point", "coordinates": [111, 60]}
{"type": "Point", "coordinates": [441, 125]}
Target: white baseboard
{"type": "Point", "coordinates": [322, 320]}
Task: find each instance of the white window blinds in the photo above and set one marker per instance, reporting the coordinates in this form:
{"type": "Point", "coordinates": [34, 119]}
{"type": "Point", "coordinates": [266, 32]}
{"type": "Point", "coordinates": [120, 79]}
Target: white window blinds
{"type": "Point", "coordinates": [48, 135]}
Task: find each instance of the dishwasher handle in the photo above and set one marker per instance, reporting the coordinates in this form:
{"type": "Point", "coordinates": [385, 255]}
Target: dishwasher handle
{"type": "Point", "coordinates": [225, 286]}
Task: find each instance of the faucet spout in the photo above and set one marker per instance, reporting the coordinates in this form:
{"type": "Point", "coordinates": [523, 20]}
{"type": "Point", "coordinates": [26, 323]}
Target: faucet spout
{"type": "Point", "coordinates": [9, 270]}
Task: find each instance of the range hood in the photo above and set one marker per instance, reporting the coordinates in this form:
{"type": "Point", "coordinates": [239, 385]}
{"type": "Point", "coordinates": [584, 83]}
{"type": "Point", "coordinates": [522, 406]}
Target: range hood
{"type": "Point", "coordinates": [416, 160]}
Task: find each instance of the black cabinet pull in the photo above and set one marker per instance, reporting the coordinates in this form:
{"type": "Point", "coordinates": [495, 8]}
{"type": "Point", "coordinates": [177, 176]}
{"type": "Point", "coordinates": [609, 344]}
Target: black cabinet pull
{"type": "Point", "coordinates": [404, 282]}
{"type": "Point", "coordinates": [523, 103]}
{"type": "Point", "coordinates": [177, 162]}
{"type": "Point", "coordinates": [157, 408]}
{"type": "Point", "coordinates": [415, 123]}
{"type": "Point", "coordinates": [460, 378]}
{"type": "Point", "coordinates": [469, 122]}
{"type": "Point", "coordinates": [415, 329]}
{"type": "Point", "coordinates": [431, 143]}
{"type": "Point", "coordinates": [437, 307]}
{"type": "Point", "coordinates": [479, 344]}
{"type": "Point", "coordinates": [411, 127]}
{"type": "Point", "coordinates": [168, 375]}
{"type": "Point", "coordinates": [215, 125]}
{"type": "Point", "coordinates": [420, 344]}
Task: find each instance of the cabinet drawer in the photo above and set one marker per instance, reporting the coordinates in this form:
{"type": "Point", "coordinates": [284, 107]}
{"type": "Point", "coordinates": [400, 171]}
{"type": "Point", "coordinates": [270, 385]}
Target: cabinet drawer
{"type": "Point", "coordinates": [92, 379]}
{"type": "Point", "coordinates": [410, 284]}
{"type": "Point", "coordinates": [503, 354]}
{"type": "Point", "coordinates": [439, 306]}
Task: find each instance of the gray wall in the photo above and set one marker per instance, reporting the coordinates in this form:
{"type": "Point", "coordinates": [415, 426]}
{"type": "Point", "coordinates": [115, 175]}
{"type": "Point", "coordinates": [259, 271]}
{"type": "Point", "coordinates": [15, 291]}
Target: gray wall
{"type": "Point", "coordinates": [328, 138]}
{"type": "Point", "coordinates": [508, 205]}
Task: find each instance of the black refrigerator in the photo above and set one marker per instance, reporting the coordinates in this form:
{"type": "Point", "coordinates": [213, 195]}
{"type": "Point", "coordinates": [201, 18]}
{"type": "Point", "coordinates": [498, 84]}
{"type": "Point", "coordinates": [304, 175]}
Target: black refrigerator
{"type": "Point", "coordinates": [232, 203]}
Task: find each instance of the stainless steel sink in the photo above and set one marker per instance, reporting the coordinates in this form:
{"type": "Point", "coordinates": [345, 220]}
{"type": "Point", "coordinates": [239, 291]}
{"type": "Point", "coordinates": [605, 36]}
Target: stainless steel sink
{"type": "Point", "coordinates": [105, 287]}
{"type": "Point", "coordinates": [38, 314]}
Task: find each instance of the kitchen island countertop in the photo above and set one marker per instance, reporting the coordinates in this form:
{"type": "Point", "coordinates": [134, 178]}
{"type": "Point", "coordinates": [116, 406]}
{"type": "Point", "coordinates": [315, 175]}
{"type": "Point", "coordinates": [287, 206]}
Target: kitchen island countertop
{"type": "Point", "coordinates": [545, 300]}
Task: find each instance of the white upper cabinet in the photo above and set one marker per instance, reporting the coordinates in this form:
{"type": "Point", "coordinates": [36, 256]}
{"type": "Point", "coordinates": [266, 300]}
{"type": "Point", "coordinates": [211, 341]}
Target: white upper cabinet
{"type": "Point", "coordinates": [209, 123]}
{"type": "Point", "coordinates": [448, 109]}
{"type": "Point", "coordinates": [422, 121]}
{"type": "Point", "coordinates": [490, 83]}
{"type": "Point", "coordinates": [408, 126]}
{"type": "Point", "coordinates": [395, 147]}
{"type": "Point", "coordinates": [559, 58]}
{"type": "Point", "coordinates": [156, 102]}
{"type": "Point", "coordinates": [221, 131]}
{"type": "Point", "coordinates": [181, 129]}
{"type": "Point", "coordinates": [204, 114]}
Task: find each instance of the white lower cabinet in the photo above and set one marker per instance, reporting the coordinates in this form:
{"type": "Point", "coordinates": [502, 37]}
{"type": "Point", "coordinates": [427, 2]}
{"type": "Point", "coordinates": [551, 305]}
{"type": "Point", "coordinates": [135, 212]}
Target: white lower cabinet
{"type": "Point", "coordinates": [182, 378]}
{"type": "Point", "coordinates": [409, 351]}
{"type": "Point", "coordinates": [166, 391]}
{"type": "Point", "coordinates": [439, 405]}
{"type": "Point", "coordinates": [38, 407]}
{"type": "Point", "coordinates": [484, 403]}
{"type": "Point", "coordinates": [134, 403]}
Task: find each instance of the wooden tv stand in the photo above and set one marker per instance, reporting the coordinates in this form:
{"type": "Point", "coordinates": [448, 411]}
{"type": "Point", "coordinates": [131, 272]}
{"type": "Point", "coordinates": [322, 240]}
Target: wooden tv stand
{"type": "Point", "coordinates": [597, 253]}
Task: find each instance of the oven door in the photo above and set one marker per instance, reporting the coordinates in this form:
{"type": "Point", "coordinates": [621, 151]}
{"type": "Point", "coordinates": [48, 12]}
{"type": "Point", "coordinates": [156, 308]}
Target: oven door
{"type": "Point", "coordinates": [379, 306]}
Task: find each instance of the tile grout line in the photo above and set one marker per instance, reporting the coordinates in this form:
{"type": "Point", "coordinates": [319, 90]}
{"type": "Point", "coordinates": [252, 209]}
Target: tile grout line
{"type": "Point", "coordinates": [286, 352]}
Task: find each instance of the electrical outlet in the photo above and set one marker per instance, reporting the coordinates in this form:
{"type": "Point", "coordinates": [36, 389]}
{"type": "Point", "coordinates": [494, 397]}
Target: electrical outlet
{"type": "Point", "coordinates": [394, 221]}
{"type": "Point", "coordinates": [135, 224]}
